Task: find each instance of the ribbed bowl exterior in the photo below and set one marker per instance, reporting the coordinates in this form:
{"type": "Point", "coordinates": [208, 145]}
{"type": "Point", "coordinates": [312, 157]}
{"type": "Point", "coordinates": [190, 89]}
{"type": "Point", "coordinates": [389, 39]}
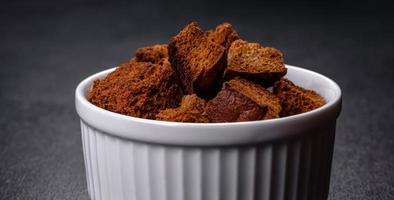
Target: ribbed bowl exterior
{"type": "Point", "coordinates": [292, 168]}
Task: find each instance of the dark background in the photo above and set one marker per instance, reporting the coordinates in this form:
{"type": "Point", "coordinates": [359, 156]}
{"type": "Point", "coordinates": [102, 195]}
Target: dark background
{"type": "Point", "coordinates": [46, 48]}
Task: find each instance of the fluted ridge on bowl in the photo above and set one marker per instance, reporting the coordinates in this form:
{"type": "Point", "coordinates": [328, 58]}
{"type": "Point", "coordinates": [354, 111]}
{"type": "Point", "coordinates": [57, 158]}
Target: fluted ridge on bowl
{"type": "Point", "coordinates": [297, 168]}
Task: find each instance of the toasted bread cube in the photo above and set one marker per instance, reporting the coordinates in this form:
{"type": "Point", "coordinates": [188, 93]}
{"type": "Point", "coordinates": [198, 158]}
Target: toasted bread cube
{"type": "Point", "coordinates": [295, 99]}
{"type": "Point", "coordinates": [224, 34]}
{"type": "Point", "coordinates": [139, 89]}
{"type": "Point", "coordinates": [190, 110]}
{"type": "Point", "coordinates": [242, 100]}
{"type": "Point", "coordinates": [263, 65]}
{"type": "Point", "coordinates": [198, 61]}
{"type": "Point", "coordinates": [154, 54]}
{"type": "Point", "coordinates": [258, 94]}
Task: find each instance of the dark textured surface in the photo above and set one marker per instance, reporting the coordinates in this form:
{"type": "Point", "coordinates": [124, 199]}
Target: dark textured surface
{"type": "Point", "coordinates": [47, 48]}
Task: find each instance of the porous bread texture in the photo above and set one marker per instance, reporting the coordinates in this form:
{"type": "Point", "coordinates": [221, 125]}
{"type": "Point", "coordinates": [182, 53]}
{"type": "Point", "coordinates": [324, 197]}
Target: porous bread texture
{"type": "Point", "coordinates": [258, 94]}
{"type": "Point", "coordinates": [198, 61]}
{"type": "Point", "coordinates": [224, 34]}
{"type": "Point", "coordinates": [242, 100]}
{"type": "Point", "coordinates": [191, 110]}
{"type": "Point", "coordinates": [154, 54]}
{"type": "Point", "coordinates": [295, 99]}
{"type": "Point", "coordinates": [139, 89]}
{"type": "Point", "coordinates": [231, 106]}
{"type": "Point", "coordinates": [252, 61]}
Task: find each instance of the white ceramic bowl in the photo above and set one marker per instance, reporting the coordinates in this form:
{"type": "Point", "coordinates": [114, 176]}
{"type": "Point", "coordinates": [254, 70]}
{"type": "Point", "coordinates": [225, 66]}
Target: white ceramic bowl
{"type": "Point", "coordinates": [141, 159]}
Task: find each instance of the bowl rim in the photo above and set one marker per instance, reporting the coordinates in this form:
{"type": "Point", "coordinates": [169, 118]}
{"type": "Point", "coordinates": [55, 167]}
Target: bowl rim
{"type": "Point", "coordinates": [97, 117]}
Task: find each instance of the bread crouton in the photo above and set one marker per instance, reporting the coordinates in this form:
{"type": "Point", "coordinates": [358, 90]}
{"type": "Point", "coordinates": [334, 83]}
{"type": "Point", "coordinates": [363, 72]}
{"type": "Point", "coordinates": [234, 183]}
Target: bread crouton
{"type": "Point", "coordinates": [263, 65]}
{"type": "Point", "coordinates": [224, 34]}
{"type": "Point", "coordinates": [242, 100]}
{"type": "Point", "coordinates": [139, 89]}
{"type": "Point", "coordinates": [198, 61]}
{"type": "Point", "coordinates": [295, 99]}
{"type": "Point", "coordinates": [258, 94]}
{"type": "Point", "coordinates": [190, 110]}
{"type": "Point", "coordinates": [154, 54]}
